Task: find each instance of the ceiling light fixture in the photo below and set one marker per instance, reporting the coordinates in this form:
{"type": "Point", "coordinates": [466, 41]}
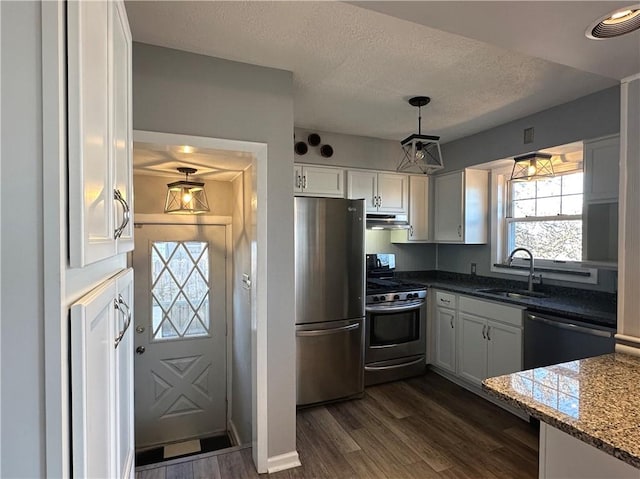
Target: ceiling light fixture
{"type": "Point", "coordinates": [421, 153]}
{"type": "Point", "coordinates": [186, 197]}
{"type": "Point", "coordinates": [532, 166]}
{"type": "Point", "coordinates": [614, 24]}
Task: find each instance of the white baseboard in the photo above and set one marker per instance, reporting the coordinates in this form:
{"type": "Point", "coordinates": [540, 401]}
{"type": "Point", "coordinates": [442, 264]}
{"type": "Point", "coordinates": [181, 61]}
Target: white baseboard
{"type": "Point", "coordinates": [288, 460]}
{"type": "Point", "coordinates": [233, 432]}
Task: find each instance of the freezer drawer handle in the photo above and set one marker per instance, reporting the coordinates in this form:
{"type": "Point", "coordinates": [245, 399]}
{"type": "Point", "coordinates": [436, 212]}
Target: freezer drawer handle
{"type": "Point", "coordinates": [572, 327]}
{"type": "Point", "coordinates": [394, 366]}
{"type": "Point", "coordinates": [323, 332]}
{"type": "Point", "coordinates": [394, 309]}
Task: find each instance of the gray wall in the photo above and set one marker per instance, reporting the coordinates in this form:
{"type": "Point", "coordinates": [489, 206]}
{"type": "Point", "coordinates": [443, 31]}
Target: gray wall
{"type": "Point", "coordinates": [588, 117]}
{"type": "Point", "coordinates": [409, 257]}
{"type": "Point", "coordinates": [21, 239]}
{"type": "Point", "coordinates": [151, 193]}
{"type": "Point", "coordinates": [241, 331]}
{"type": "Point", "coordinates": [351, 151]}
{"type": "Point", "coordinates": [179, 92]}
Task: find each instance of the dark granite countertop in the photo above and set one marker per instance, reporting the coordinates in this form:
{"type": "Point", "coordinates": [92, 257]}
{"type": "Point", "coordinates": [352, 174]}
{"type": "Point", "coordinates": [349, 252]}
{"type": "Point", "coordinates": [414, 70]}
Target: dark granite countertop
{"type": "Point", "coordinates": [593, 399]}
{"type": "Point", "coordinates": [579, 304]}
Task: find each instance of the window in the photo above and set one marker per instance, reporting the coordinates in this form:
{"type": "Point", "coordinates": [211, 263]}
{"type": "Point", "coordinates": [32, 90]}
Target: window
{"type": "Point", "coordinates": [545, 216]}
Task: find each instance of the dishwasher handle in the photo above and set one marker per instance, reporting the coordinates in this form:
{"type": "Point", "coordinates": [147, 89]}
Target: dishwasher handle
{"type": "Point", "coordinates": [572, 327]}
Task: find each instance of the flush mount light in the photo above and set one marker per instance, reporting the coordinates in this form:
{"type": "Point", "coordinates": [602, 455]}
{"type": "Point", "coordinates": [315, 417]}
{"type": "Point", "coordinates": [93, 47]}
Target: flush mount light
{"type": "Point", "coordinates": [421, 153]}
{"type": "Point", "coordinates": [614, 24]}
{"type": "Point", "coordinates": [532, 166]}
{"type": "Point", "coordinates": [186, 197]}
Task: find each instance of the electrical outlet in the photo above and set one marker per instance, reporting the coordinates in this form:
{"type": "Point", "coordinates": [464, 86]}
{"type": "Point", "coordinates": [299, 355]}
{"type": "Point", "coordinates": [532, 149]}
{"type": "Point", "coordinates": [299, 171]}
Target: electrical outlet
{"type": "Point", "coordinates": [473, 269]}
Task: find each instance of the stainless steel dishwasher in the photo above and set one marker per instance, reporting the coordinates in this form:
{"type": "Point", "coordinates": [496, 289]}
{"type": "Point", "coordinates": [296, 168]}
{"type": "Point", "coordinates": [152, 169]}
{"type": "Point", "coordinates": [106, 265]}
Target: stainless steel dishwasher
{"type": "Point", "coordinates": [552, 339]}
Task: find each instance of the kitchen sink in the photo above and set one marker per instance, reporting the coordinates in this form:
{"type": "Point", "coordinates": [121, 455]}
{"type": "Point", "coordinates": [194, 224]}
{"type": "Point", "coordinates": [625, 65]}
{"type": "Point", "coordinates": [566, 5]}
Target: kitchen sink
{"type": "Point", "coordinates": [513, 293]}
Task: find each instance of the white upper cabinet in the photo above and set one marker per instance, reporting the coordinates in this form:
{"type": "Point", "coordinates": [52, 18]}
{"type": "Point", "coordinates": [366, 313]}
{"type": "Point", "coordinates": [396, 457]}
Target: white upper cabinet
{"type": "Point", "coordinates": [461, 207]}
{"type": "Point", "coordinates": [309, 180]}
{"type": "Point", "coordinates": [418, 231]}
{"type": "Point", "coordinates": [99, 105]}
{"type": "Point", "coordinates": [601, 169]}
{"type": "Point", "coordinates": [382, 192]}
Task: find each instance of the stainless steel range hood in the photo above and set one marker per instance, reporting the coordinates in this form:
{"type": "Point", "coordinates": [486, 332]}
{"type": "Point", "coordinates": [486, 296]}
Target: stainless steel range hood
{"type": "Point", "coordinates": [377, 221]}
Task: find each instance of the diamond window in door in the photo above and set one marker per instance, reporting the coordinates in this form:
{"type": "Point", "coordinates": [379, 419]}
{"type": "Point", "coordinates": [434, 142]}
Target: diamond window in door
{"type": "Point", "coordinates": [179, 289]}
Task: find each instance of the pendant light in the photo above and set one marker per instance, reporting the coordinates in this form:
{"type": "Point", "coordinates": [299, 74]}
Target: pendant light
{"type": "Point", "coordinates": [421, 153]}
{"type": "Point", "coordinates": [532, 166]}
{"type": "Point", "coordinates": [186, 197]}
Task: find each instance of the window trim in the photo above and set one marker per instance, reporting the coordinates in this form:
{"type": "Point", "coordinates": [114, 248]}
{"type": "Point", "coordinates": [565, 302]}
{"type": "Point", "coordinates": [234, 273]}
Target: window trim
{"type": "Point", "coordinates": [572, 271]}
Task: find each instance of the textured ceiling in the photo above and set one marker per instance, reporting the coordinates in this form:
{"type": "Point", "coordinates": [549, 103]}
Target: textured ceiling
{"type": "Point", "coordinates": [355, 68]}
{"type": "Point", "coordinates": [164, 160]}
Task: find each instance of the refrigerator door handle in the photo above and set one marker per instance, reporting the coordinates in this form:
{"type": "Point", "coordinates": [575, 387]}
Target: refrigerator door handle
{"type": "Point", "coordinates": [324, 332]}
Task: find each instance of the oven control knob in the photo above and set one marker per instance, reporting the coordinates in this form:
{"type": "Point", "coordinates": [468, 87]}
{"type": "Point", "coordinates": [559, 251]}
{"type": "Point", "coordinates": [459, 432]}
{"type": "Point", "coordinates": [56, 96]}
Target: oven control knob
{"type": "Point", "coordinates": [409, 296]}
{"type": "Point", "coordinates": [375, 298]}
{"type": "Point", "coordinates": [397, 296]}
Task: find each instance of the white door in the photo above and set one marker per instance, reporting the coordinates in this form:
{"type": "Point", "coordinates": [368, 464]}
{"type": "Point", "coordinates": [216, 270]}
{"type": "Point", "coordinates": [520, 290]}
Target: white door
{"type": "Point", "coordinates": [323, 181]}
{"type": "Point", "coordinates": [472, 348]}
{"type": "Point", "coordinates": [419, 208]}
{"type": "Point", "coordinates": [363, 185]}
{"type": "Point", "coordinates": [446, 339]}
{"type": "Point", "coordinates": [504, 349]}
{"type": "Point", "coordinates": [180, 340]}
{"type": "Point", "coordinates": [393, 193]}
{"type": "Point", "coordinates": [448, 207]}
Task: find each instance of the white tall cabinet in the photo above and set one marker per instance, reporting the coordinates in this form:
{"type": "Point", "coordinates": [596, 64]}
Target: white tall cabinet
{"type": "Point", "coordinates": [418, 231]}
{"type": "Point", "coordinates": [99, 109]}
{"type": "Point", "coordinates": [99, 290]}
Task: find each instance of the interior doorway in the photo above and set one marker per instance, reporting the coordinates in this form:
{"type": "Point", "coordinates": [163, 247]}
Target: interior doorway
{"type": "Point", "coordinates": [189, 381]}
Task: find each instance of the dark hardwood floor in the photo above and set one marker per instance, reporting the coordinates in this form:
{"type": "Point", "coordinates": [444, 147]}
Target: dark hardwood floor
{"type": "Point", "coordinates": [424, 427]}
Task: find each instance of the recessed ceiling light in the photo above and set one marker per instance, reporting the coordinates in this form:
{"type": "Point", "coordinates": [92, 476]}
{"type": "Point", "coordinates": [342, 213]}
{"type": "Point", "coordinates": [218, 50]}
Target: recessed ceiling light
{"type": "Point", "coordinates": [615, 24]}
{"type": "Point", "coordinates": [187, 149]}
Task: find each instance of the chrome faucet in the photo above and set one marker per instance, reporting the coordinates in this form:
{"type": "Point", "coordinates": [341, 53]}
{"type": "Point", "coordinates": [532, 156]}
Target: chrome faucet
{"type": "Point", "coordinates": [510, 260]}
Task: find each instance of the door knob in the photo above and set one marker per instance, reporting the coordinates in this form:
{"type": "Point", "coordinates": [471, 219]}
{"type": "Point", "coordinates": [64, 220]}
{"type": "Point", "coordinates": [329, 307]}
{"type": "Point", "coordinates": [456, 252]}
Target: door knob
{"type": "Point", "coordinates": [140, 350]}
{"type": "Point", "coordinates": [139, 329]}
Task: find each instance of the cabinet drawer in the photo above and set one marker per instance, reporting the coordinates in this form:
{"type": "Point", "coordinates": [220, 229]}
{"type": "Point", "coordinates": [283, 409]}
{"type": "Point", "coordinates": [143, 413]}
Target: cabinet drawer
{"type": "Point", "coordinates": [445, 300]}
{"type": "Point", "coordinates": [499, 312]}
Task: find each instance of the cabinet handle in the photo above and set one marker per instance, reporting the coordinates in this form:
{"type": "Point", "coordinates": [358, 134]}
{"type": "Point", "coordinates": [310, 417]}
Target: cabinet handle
{"type": "Point", "coordinates": [442, 300]}
{"type": "Point", "coordinates": [379, 201]}
{"type": "Point", "coordinates": [298, 181]}
{"type": "Point", "coordinates": [483, 330]}
{"type": "Point", "coordinates": [411, 231]}
{"type": "Point", "coordinates": [451, 321]}
{"type": "Point", "coordinates": [304, 181]}
{"type": "Point", "coordinates": [459, 231]}
{"type": "Point", "coordinates": [126, 213]}
{"type": "Point", "coordinates": [118, 304]}
{"type": "Point", "coordinates": [488, 329]}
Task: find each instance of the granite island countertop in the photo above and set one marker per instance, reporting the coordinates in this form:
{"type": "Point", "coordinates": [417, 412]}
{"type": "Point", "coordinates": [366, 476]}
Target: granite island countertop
{"type": "Point", "coordinates": [595, 400]}
{"type": "Point", "coordinates": [583, 305]}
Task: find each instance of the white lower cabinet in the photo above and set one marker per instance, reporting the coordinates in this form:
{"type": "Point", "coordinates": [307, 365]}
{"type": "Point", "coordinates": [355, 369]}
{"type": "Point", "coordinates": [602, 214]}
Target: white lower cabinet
{"type": "Point", "coordinates": [489, 339]}
{"type": "Point", "coordinates": [102, 380]}
{"type": "Point", "coordinates": [475, 339]}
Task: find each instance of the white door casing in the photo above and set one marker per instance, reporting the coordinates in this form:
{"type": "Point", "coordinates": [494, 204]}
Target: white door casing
{"type": "Point", "coordinates": [180, 378]}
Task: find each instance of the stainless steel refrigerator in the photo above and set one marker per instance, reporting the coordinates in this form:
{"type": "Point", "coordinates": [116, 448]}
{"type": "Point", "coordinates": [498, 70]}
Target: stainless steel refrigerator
{"type": "Point", "coordinates": [330, 294]}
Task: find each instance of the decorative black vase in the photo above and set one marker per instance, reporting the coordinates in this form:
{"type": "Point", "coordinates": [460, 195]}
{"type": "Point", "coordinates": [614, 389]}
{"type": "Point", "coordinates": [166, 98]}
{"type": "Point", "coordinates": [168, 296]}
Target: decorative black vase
{"type": "Point", "coordinates": [326, 151]}
{"type": "Point", "coordinates": [301, 148]}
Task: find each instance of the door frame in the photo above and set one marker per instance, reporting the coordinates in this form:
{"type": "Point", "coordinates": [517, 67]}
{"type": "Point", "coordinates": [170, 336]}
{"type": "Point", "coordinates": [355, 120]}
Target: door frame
{"type": "Point", "coordinates": [259, 299]}
{"type": "Point", "coordinates": [225, 221]}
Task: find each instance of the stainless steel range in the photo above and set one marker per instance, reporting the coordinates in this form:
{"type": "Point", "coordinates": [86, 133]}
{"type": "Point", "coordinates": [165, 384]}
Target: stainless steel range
{"type": "Point", "coordinates": [395, 345]}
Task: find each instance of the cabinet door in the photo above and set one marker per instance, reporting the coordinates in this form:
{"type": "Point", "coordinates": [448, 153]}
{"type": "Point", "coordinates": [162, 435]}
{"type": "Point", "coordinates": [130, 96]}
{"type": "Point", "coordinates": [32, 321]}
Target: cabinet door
{"type": "Point", "coordinates": [472, 348]}
{"type": "Point", "coordinates": [297, 179]}
{"type": "Point", "coordinates": [504, 349]}
{"type": "Point", "coordinates": [445, 356]}
{"type": "Point", "coordinates": [125, 445]}
{"type": "Point", "coordinates": [363, 185]}
{"type": "Point", "coordinates": [419, 208]}
{"type": "Point", "coordinates": [393, 193]}
{"type": "Point", "coordinates": [92, 383]}
{"type": "Point", "coordinates": [320, 181]}
{"type": "Point", "coordinates": [121, 142]}
{"type": "Point", "coordinates": [601, 169]}
{"type": "Point", "coordinates": [91, 230]}
{"type": "Point", "coordinates": [449, 207]}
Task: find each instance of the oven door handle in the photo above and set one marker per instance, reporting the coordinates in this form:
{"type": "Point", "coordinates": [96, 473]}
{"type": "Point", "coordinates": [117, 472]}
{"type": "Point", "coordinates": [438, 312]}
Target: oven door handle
{"type": "Point", "coordinates": [394, 309]}
{"type": "Point", "coordinates": [393, 366]}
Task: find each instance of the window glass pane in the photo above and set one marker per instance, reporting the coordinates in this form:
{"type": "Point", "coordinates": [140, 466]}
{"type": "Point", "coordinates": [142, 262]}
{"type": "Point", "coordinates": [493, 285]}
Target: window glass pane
{"type": "Point", "coordinates": [548, 206]}
{"type": "Point", "coordinates": [523, 208]}
{"type": "Point", "coordinates": [553, 240]}
{"type": "Point", "coordinates": [572, 184]}
{"type": "Point", "coordinates": [523, 189]}
{"type": "Point", "coordinates": [572, 205]}
{"type": "Point", "coordinates": [549, 186]}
